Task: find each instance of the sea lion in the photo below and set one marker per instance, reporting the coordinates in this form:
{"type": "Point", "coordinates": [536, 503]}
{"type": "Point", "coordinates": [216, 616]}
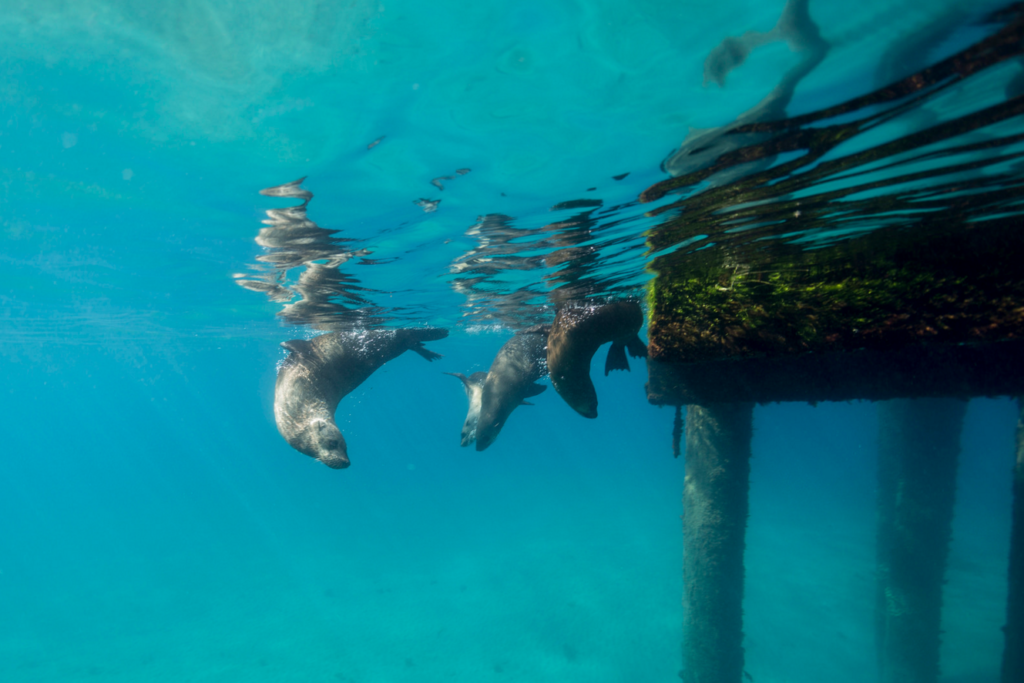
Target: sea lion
{"type": "Point", "coordinates": [510, 381]}
{"type": "Point", "coordinates": [474, 385]}
{"type": "Point", "coordinates": [579, 329]}
{"type": "Point", "coordinates": [320, 372]}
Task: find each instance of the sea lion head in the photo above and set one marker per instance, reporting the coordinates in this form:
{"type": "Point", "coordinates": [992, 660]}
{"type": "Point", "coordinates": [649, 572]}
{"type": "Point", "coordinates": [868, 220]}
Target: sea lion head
{"type": "Point", "coordinates": [493, 413]}
{"type": "Point", "coordinates": [325, 443]}
{"type": "Point", "coordinates": [488, 428]}
{"type": "Point", "coordinates": [468, 434]}
{"type": "Point", "coordinates": [582, 397]}
{"type": "Point", "coordinates": [588, 407]}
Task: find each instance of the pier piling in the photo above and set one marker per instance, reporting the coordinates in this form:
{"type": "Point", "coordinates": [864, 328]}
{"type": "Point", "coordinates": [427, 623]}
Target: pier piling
{"type": "Point", "coordinates": [1013, 650]}
{"type": "Point", "coordinates": [715, 508]}
{"type": "Point", "coordinates": [919, 444]}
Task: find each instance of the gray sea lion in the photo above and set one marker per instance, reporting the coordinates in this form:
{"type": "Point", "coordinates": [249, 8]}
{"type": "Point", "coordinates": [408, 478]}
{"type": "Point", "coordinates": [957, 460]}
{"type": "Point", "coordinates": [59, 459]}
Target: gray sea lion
{"type": "Point", "coordinates": [578, 331]}
{"type": "Point", "coordinates": [320, 372]}
{"type": "Point", "coordinates": [510, 381]}
{"type": "Point", "coordinates": [474, 385]}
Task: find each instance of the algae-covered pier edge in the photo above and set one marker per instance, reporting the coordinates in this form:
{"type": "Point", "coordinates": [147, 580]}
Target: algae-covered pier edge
{"type": "Point", "coordinates": [891, 314]}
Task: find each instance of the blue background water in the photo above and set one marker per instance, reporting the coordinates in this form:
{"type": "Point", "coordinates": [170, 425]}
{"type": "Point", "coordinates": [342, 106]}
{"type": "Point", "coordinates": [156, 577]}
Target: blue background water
{"type": "Point", "coordinates": [156, 526]}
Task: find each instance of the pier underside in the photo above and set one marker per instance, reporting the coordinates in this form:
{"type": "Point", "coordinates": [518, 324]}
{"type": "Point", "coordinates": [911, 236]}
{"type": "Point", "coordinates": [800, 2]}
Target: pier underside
{"type": "Point", "coordinates": [926, 370]}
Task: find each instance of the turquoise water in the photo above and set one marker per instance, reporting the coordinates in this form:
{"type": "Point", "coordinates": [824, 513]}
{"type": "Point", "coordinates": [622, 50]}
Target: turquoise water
{"type": "Point", "coordinates": [157, 527]}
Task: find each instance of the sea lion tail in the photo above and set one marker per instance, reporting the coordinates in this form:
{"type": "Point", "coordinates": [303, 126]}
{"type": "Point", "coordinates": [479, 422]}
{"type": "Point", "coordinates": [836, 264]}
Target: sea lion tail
{"type": "Point", "coordinates": [616, 358]}
{"type": "Point", "coordinates": [636, 348]}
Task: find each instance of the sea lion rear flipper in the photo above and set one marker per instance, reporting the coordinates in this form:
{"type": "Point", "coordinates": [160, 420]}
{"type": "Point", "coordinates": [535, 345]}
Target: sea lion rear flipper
{"type": "Point", "coordinates": [297, 346]}
{"type": "Point", "coordinates": [616, 358]}
{"type": "Point", "coordinates": [533, 390]}
{"type": "Point", "coordinates": [465, 380]}
{"type": "Point", "coordinates": [425, 334]}
{"type": "Point", "coordinates": [636, 348]}
{"type": "Point", "coordinates": [419, 348]}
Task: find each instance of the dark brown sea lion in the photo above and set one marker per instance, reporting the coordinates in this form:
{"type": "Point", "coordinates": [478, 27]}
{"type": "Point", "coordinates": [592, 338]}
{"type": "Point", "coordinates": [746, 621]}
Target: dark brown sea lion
{"type": "Point", "coordinates": [474, 385]}
{"type": "Point", "coordinates": [578, 331]}
{"type": "Point", "coordinates": [320, 372]}
{"type": "Point", "coordinates": [510, 381]}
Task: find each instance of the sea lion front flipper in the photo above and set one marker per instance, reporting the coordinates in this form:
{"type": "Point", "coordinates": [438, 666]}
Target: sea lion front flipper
{"type": "Point", "coordinates": [533, 390]}
{"type": "Point", "coordinates": [419, 348]}
{"type": "Point", "coordinates": [616, 358]}
{"type": "Point", "coordinates": [297, 346]}
{"type": "Point", "coordinates": [636, 348]}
